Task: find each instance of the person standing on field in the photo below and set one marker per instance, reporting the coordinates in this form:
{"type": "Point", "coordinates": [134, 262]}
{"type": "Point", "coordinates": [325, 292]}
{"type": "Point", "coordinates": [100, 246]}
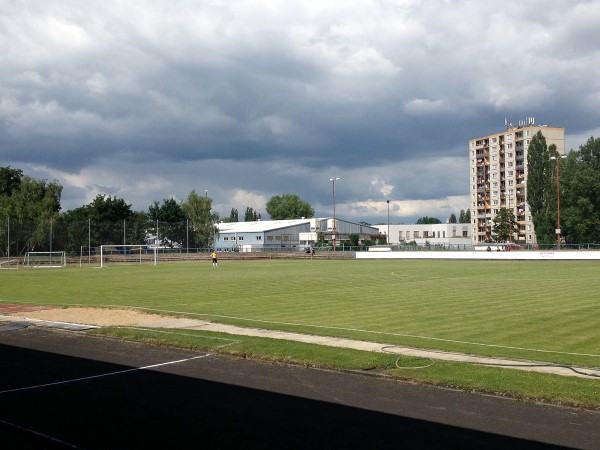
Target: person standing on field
{"type": "Point", "coordinates": [214, 257]}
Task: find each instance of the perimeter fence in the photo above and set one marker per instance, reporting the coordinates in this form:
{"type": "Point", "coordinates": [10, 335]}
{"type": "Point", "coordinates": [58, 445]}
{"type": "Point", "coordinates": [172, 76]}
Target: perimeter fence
{"type": "Point", "coordinates": [78, 238]}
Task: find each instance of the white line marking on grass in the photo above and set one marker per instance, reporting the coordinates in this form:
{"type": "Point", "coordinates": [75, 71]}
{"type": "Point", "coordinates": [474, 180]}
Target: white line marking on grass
{"type": "Point", "coordinates": [109, 374]}
{"type": "Point", "coordinates": [384, 333]}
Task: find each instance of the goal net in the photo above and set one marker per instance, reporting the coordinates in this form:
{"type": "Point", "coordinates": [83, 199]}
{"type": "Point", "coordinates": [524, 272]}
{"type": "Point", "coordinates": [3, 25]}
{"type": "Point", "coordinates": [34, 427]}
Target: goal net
{"type": "Point", "coordinates": [37, 260]}
{"type": "Point", "coordinates": [127, 254]}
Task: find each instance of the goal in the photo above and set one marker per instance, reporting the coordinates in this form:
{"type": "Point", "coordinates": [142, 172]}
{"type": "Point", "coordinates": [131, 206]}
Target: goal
{"type": "Point", "coordinates": [127, 254]}
{"type": "Point", "coordinates": [37, 260]}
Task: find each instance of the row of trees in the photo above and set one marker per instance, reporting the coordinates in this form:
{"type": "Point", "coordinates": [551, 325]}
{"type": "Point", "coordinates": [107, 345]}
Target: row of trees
{"type": "Point", "coordinates": [573, 182]}
{"type": "Point", "coordinates": [31, 219]}
{"type": "Point", "coordinates": [464, 217]}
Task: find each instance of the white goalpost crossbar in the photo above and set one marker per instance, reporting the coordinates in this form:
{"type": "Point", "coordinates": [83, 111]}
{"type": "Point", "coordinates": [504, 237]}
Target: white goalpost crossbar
{"type": "Point", "coordinates": [127, 254]}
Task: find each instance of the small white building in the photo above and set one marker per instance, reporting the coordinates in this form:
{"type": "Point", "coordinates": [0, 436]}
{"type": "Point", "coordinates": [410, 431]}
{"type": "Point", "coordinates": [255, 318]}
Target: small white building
{"type": "Point", "coordinates": [294, 234]}
{"type": "Point", "coordinates": [446, 234]}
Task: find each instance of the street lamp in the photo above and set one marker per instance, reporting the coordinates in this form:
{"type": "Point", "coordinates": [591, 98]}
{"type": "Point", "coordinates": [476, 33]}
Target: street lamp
{"type": "Point", "coordinates": [333, 180]}
{"type": "Point", "coordinates": [558, 231]}
{"type": "Point", "coordinates": [388, 228]}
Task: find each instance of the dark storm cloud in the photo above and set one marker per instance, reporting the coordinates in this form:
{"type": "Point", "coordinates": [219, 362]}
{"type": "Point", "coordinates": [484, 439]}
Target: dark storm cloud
{"type": "Point", "coordinates": [248, 99]}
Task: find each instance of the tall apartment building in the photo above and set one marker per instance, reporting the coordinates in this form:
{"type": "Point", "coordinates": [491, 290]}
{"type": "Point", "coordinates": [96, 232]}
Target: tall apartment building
{"type": "Point", "coordinates": [498, 175]}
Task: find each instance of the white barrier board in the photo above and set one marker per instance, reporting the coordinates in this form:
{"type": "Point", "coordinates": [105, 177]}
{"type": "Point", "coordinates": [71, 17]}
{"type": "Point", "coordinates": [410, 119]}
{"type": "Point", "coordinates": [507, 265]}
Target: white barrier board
{"type": "Point", "coordinates": [564, 255]}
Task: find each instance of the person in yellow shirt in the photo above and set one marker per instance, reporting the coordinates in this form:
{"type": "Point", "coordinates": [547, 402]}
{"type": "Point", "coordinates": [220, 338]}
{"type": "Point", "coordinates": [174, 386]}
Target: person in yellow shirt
{"type": "Point", "coordinates": [214, 257]}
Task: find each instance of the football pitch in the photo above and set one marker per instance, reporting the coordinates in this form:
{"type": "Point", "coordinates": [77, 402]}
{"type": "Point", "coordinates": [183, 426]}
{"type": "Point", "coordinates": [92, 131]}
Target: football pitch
{"type": "Point", "coordinates": [544, 311]}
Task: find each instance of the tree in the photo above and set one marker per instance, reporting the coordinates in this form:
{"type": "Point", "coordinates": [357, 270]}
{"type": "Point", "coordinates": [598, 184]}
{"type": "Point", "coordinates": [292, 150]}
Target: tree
{"type": "Point", "coordinates": [233, 215]}
{"type": "Point", "coordinates": [251, 215]}
{"type": "Point", "coordinates": [171, 222]}
{"type": "Point", "coordinates": [105, 220]}
{"type": "Point", "coordinates": [197, 210]}
{"type": "Point", "coordinates": [288, 206]}
{"type": "Point", "coordinates": [10, 179]}
{"type": "Point", "coordinates": [580, 193]}
{"type": "Point", "coordinates": [428, 220]}
{"type": "Point", "coordinates": [452, 218]}
{"type": "Point", "coordinates": [540, 189]}
{"type": "Point", "coordinates": [108, 216]}
{"type": "Point", "coordinates": [465, 216]}
{"type": "Point", "coordinates": [33, 206]}
{"type": "Point", "coordinates": [505, 225]}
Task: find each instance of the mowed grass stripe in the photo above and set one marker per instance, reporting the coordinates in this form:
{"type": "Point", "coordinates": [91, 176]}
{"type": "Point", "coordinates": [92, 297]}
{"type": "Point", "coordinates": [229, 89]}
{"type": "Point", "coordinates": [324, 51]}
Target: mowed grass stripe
{"type": "Point", "coordinates": [547, 305]}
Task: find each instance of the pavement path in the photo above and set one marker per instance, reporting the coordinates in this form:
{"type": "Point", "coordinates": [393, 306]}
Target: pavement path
{"type": "Point", "coordinates": [194, 324]}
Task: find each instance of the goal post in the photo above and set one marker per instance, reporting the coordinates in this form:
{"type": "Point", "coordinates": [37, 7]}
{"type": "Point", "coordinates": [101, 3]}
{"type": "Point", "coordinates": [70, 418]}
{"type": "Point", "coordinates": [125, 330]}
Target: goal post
{"type": "Point", "coordinates": [127, 254]}
{"type": "Point", "coordinates": [40, 260]}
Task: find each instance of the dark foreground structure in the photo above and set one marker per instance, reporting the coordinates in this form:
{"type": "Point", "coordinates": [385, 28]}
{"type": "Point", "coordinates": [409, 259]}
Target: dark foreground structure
{"type": "Point", "coordinates": [62, 389]}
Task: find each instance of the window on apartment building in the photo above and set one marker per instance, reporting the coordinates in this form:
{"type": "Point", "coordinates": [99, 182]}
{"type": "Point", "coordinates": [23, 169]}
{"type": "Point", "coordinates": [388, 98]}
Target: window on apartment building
{"type": "Point", "coordinates": [508, 146]}
{"type": "Point", "coordinates": [511, 173]}
{"type": "Point", "coordinates": [240, 238]}
{"type": "Point", "coordinates": [510, 164]}
{"type": "Point", "coordinates": [444, 234]}
{"type": "Point", "coordinates": [493, 140]}
{"type": "Point", "coordinates": [494, 166]}
{"type": "Point", "coordinates": [269, 238]}
{"type": "Point", "coordinates": [495, 176]}
{"type": "Point", "coordinates": [495, 184]}
{"type": "Point", "coordinates": [511, 182]}
{"type": "Point", "coordinates": [259, 238]}
{"type": "Point", "coordinates": [527, 132]}
{"type": "Point", "coordinates": [225, 238]}
{"type": "Point", "coordinates": [495, 202]}
{"type": "Point", "coordinates": [494, 158]}
{"type": "Point", "coordinates": [416, 235]}
{"type": "Point", "coordinates": [509, 137]}
{"type": "Point", "coordinates": [426, 234]}
{"type": "Point", "coordinates": [494, 193]}
{"type": "Point", "coordinates": [509, 155]}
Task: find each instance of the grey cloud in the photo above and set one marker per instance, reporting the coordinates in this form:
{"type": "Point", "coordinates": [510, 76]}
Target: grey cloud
{"type": "Point", "coordinates": [264, 98]}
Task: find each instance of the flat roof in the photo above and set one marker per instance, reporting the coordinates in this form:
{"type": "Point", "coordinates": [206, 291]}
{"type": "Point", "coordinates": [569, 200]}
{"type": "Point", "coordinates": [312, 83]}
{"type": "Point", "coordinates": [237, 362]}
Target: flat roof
{"type": "Point", "coordinates": [260, 226]}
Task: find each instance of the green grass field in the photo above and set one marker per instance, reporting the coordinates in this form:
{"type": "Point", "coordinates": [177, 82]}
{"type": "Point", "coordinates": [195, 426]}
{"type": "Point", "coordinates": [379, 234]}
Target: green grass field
{"type": "Point", "coordinates": [545, 311]}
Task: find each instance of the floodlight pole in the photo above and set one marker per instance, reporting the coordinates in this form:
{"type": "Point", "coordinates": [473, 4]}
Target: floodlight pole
{"type": "Point", "coordinates": [558, 230]}
{"type": "Point", "coordinates": [388, 224]}
{"type": "Point", "coordinates": [333, 180]}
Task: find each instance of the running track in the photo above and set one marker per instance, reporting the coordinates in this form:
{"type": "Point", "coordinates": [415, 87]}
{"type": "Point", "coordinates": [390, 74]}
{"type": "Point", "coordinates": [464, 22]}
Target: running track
{"type": "Point", "coordinates": [61, 389]}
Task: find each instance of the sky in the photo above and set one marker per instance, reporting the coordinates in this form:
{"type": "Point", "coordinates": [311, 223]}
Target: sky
{"type": "Point", "coordinates": [242, 100]}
